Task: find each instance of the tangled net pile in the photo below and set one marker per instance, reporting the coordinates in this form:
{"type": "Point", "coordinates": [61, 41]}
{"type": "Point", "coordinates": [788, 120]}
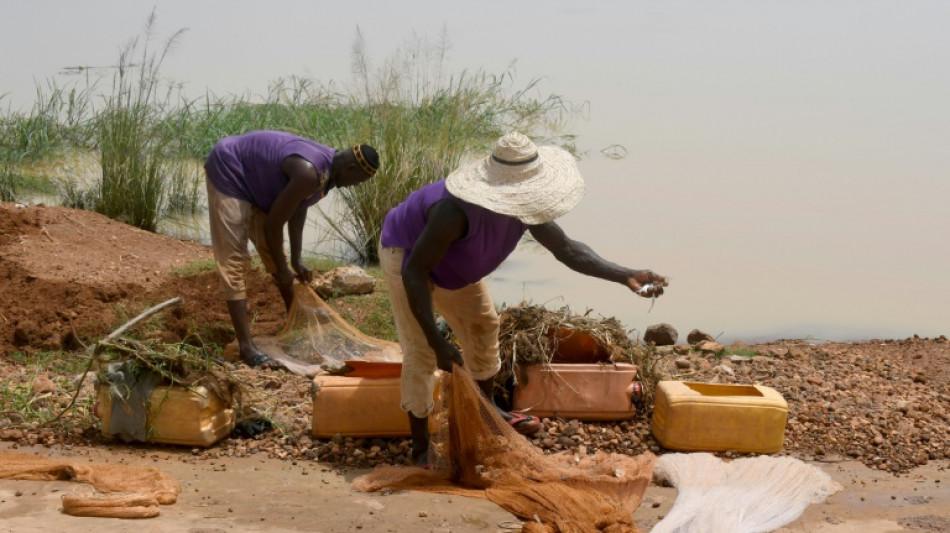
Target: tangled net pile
{"type": "Point", "coordinates": [317, 340]}
{"type": "Point", "coordinates": [124, 491]}
{"type": "Point", "coordinates": [478, 454]}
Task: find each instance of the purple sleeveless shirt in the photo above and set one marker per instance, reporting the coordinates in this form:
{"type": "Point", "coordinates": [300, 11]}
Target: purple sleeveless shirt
{"type": "Point", "coordinates": [490, 239]}
{"type": "Point", "coordinates": [247, 167]}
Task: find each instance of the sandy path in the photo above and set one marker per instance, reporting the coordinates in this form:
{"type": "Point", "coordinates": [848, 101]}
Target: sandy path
{"type": "Point", "coordinates": [257, 494]}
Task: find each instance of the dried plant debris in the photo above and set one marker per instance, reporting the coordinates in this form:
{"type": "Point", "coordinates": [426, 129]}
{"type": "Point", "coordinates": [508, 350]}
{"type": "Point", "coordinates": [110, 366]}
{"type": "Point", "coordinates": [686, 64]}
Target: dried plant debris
{"type": "Point", "coordinates": [531, 334]}
{"type": "Point", "coordinates": [177, 364]}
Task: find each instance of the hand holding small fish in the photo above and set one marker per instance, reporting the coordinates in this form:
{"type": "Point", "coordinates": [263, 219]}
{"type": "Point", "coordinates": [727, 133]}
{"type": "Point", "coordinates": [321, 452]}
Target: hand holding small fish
{"type": "Point", "coordinates": [648, 284]}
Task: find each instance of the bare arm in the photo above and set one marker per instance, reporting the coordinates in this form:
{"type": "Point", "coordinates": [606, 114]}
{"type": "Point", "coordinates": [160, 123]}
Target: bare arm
{"type": "Point", "coordinates": [295, 231]}
{"type": "Point", "coordinates": [581, 258]}
{"type": "Point", "coordinates": [446, 224]}
{"type": "Point", "coordinates": [304, 181]}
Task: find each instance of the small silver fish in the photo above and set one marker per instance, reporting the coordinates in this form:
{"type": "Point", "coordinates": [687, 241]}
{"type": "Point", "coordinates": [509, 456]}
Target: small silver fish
{"type": "Point", "coordinates": [646, 287]}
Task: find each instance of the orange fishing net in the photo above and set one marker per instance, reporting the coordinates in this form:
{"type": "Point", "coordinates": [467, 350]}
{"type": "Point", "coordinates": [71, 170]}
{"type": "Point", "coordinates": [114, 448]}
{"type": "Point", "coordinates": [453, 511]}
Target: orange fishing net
{"type": "Point", "coordinates": [317, 340]}
{"type": "Point", "coordinates": [478, 454]}
{"type": "Point", "coordinates": [125, 491]}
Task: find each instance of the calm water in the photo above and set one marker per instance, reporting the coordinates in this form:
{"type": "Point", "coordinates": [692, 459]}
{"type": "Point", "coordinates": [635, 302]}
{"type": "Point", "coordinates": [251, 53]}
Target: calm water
{"type": "Point", "coordinates": [749, 265]}
{"type": "Point", "coordinates": [788, 163]}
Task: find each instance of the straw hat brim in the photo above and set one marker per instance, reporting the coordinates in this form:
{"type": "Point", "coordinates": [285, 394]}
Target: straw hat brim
{"type": "Point", "coordinates": [539, 194]}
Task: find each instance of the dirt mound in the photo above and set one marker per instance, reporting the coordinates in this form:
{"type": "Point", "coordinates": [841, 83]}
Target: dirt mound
{"type": "Point", "coordinates": [68, 276]}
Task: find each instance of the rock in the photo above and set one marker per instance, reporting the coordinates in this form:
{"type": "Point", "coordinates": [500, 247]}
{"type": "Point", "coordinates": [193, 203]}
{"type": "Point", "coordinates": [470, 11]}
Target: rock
{"type": "Point", "coordinates": [661, 334]}
{"type": "Point", "coordinates": [342, 281]}
{"type": "Point", "coordinates": [696, 336]}
{"type": "Point", "coordinates": [11, 434]}
{"type": "Point", "coordinates": [709, 347]}
{"type": "Point", "coordinates": [42, 384]}
{"type": "Point", "coordinates": [795, 352]}
{"type": "Point", "coordinates": [683, 363]}
{"type": "Point", "coordinates": [52, 342]}
{"type": "Point", "coordinates": [776, 351]}
{"type": "Point", "coordinates": [725, 369]}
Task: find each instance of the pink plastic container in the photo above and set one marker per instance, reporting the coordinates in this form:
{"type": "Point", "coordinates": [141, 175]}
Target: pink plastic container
{"type": "Point", "coordinates": [603, 391]}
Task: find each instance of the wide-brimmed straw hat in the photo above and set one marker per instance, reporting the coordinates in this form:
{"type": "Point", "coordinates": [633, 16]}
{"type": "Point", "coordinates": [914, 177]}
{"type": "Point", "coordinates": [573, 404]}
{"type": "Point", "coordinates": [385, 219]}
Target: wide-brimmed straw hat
{"type": "Point", "coordinates": [533, 184]}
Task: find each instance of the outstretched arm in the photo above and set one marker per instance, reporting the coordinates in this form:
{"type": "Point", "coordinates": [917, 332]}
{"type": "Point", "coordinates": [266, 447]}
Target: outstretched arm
{"type": "Point", "coordinates": [446, 223]}
{"type": "Point", "coordinates": [581, 258]}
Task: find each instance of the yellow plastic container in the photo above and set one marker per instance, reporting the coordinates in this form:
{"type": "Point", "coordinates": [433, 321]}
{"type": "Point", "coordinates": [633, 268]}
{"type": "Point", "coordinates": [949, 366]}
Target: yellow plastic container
{"type": "Point", "coordinates": [357, 407]}
{"type": "Point", "coordinates": [177, 415]}
{"type": "Point", "coordinates": [691, 416]}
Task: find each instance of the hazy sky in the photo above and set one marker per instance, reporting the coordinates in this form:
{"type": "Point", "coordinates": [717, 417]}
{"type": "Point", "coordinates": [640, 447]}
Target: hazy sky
{"type": "Point", "coordinates": [789, 162]}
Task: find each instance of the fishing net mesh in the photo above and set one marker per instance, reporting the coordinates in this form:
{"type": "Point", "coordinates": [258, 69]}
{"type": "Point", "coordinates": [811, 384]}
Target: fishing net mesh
{"type": "Point", "coordinates": [476, 453]}
{"type": "Point", "coordinates": [120, 491]}
{"type": "Point", "coordinates": [747, 495]}
{"type": "Point", "coordinates": [317, 340]}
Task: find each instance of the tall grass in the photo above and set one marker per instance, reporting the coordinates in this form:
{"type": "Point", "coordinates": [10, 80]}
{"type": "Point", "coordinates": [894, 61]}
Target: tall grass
{"type": "Point", "coordinates": [424, 124]}
{"type": "Point", "coordinates": [183, 188]}
{"type": "Point", "coordinates": [9, 161]}
{"type": "Point", "coordinates": [55, 122]}
{"type": "Point", "coordinates": [133, 150]}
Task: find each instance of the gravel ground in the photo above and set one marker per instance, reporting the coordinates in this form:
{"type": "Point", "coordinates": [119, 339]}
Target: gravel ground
{"type": "Point", "coordinates": [884, 403]}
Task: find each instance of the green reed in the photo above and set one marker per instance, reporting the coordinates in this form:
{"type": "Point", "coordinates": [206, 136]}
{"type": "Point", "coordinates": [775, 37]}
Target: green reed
{"type": "Point", "coordinates": [133, 151]}
{"type": "Point", "coordinates": [56, 121]}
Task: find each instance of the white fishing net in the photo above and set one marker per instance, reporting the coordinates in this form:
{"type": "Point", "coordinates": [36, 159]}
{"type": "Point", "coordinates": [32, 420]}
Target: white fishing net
{"type": "Point", "coordinates": [747, 495]}
{"type": "Point", "coordinates": [317, 340]}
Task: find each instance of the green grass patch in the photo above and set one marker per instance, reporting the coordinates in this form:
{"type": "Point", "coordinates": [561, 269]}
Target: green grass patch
{"type": "Point", "coordinates": [55, 361]}
{"type": "Point", "coordinates": [322, 264]}
{"type": "Point", "coordinates": [26, 185]}
{"type": "Point", "coordinates": [743, 351]}
{"type": "Point", "coordinates": [736, 349]}
{"type": "Point", "coordinates": [370, 313]}
{"type": "Point", "coordinates": [194, 268]}
{"type": "Point", "coordinates": [21, 406]}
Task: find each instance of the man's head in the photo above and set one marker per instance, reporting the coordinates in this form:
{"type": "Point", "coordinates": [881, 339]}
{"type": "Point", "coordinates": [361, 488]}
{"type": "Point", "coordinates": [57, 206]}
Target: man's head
{"type": "Point", "coordinates": [533, 184]}
{"type": "Point", "coordinates": [355, 165]}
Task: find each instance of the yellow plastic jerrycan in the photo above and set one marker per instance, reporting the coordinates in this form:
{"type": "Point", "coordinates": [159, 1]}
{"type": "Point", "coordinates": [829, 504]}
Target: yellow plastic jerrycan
{"type": "Point", "coordinates": [177, 415]}
{"type": "Point", "coordinates": [690, 416]}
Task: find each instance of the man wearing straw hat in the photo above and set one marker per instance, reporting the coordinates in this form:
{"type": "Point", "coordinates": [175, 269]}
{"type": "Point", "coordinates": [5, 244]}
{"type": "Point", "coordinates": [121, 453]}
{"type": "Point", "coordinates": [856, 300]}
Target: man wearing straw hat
{"type": "Point", "coordinates": [440, 243]}
{"type": "Point", "coordinates": [258, 183]}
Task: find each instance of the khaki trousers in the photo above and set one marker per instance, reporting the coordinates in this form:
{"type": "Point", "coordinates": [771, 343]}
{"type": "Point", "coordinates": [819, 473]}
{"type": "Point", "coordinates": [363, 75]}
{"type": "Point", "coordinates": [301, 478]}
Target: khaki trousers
{"type": "Point", "coordinates": [469, 311]}
{"type": "Point", "coordinates": [233, 223]}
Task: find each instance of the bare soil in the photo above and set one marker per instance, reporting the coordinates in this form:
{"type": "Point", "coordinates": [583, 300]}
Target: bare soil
{"type": "Point", "coordinates": [873, 414]}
